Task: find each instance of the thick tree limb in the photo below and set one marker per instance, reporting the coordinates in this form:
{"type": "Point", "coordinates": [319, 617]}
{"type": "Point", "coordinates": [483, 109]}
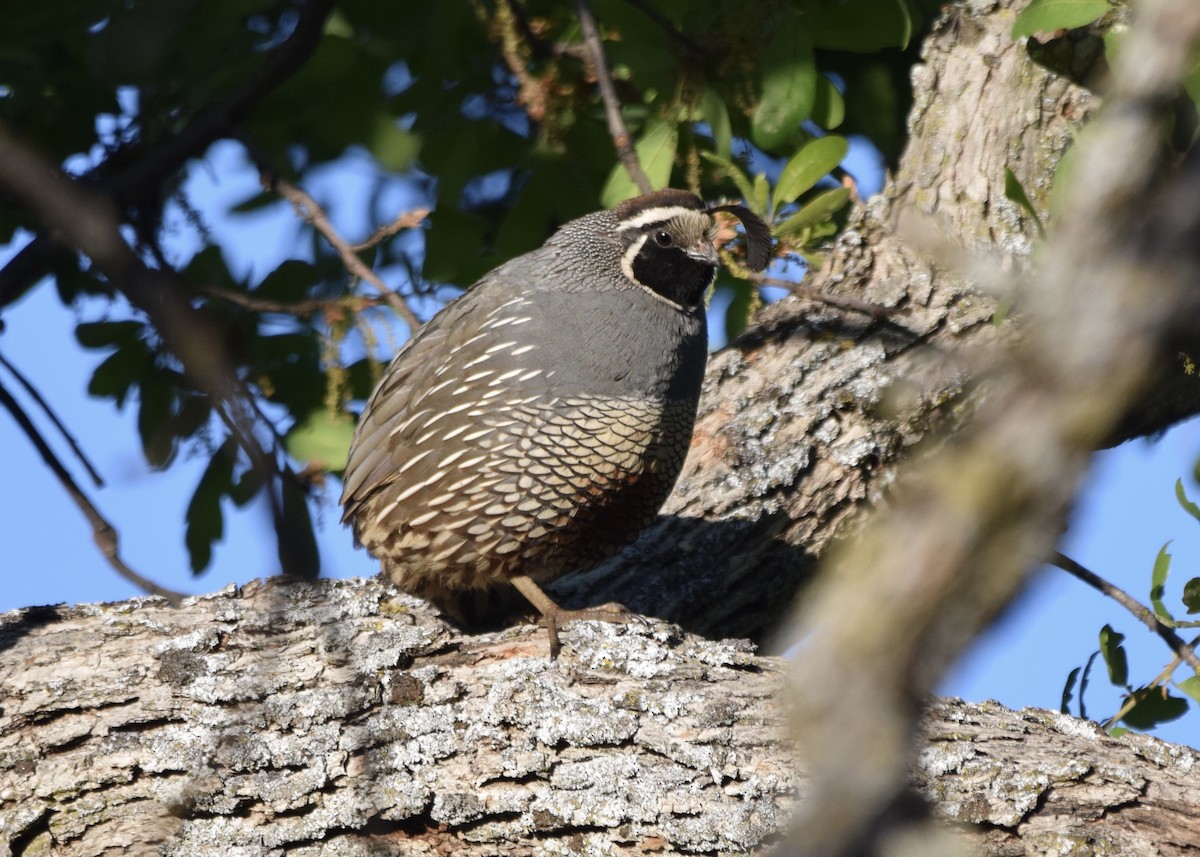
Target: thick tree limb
{"type": "Point", "coordinates": [342, 718]}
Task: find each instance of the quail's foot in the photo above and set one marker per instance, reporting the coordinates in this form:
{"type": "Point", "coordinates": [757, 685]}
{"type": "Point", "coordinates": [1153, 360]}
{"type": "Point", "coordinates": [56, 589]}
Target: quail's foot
{"type": "Point", "coordinates": [555, 617]}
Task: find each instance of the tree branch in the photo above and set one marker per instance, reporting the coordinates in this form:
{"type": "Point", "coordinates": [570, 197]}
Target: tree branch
{"type": "Point", "coordinates": [612, 106]}
{"type": "Point", "coordinates": [104, 534]}
{"type": "Point", "coordinates": [1183, 651]}
{"type": "Point", "coordinates": [150, 170]}
{"type": "Point", "coordinates": [88, 220]}
{"type": "Point", "coordinates": [900, 602]}
{"type": "Point", "coordinates": [310, 212]}
{"type": "Point", "coordinates": [53, 417]}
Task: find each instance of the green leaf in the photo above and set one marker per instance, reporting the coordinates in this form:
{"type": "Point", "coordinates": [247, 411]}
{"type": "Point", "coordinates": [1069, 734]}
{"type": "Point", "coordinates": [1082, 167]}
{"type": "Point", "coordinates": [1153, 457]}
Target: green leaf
{"type": "Point", "coordinates": [1158, 580]}
{"type": "Point", "coordinates": [656, 154]}
{"type": "Point", "coordinates": [1015, 191]}
{"type": "Point", "coordinates": [1084, 679]}
{"type": "Point", "coordinates": [1067, 692]}
{"type": "Point", "coordinates": [789, 86]}
{"type": "Point", "coordinates": [1048, 16]}
{"type": "Point", "coordinates": [109, 334]}
{"type": "Point", "coordinates": [1191, 686]}
{"type": "Point", "coordinates": [288, 283]}
{"type": "Point", "coordinates": [1191, 596]}
{"type": "Point", "coordinates": [716, 114]}
{"type": "Point", "coordinates": [117, 373]}
{"type": "Point", "coordinates": [156, 400]}
{"type": "Point", "coordinates": [808, 166]}
{"type": "Point", "coordinates": [1154, 707]}
{"type": "Point", "coordinates": [760, 202]}
{"type": "Point", "coordinates": [820, 207]}
{"type": "Point", "coordinates": [1114, 656]}
{"type": "Point", "coordinates": [741, 307]}
{"type": "Point", "coordinates": [298, 556]}
{"type": "Point", "coordinates": [735, 173]}
{"type": "Point", "coordinates": [862, 26]}
{"type": "Point", "coordinates": [1187, 505]}
{"type": "Point", "coordinates": [829, 109]}
{"type": "Point", "coordinates": [394, 148]}
{"type": "Point", "coordinates": [322, 439]}
{"type": "Point", "coordinates": [204, 522]}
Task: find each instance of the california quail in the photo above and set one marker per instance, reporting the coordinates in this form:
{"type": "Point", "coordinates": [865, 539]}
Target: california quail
{"type": "Point", "coordinates": [537, 423]}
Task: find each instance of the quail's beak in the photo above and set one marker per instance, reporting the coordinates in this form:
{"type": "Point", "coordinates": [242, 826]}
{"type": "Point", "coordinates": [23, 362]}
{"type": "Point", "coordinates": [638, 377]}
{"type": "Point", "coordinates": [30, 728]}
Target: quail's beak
{"type": "Point", "coordinates": [704, 251]}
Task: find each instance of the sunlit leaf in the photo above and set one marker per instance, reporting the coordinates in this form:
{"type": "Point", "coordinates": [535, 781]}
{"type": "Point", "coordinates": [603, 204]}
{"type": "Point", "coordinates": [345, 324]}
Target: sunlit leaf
{"type": "Point", "coordinates": [1186, 504]}
{"type": "Point", "coordinates": [820, 207]}
{"type": "Point", "coordinates": [1015, 191]}
{"type": "Point", "coordinates": [716, 114]}
{"type": "Point", "coordinates": [322, 439]}
{"type": "Point", "coordinates": [815, 160]}
{"type": "Point", "coordinates": [789, 86]}
{"type": "Point", "coordinates": [734, 173]}
{"type": "Point", "coordinates": [829, 108]}
{"type": "Point", "coordinates": [1048, 16]}
{"type": "Point", "coordinates": [1191, 686]}
{"type": "Point", "coordinates": [656, 154]}
{"type": "Point", "coordinates": [1158, 581]}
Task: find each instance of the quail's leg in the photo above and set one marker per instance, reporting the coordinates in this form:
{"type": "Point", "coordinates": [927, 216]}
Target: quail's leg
{"type": "Point", "coordinates": [557, 616]}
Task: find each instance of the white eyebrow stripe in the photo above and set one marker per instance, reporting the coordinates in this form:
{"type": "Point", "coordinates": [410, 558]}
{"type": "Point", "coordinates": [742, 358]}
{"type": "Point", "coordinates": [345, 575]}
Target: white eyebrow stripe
{"type": "Point", "coordinates": [658, 214]}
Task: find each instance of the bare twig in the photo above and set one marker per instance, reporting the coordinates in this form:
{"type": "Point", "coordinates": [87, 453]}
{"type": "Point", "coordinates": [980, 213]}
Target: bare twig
{"type": "Point", "coordinates": [612, 107]}
{"type": "Point", "coordinates": [311, 213]}
{"type": "Point", "coordinates": [532, 90]}
{"type": "Point", "coordinates": [1183, 651]}
{"type": "Point", "coordinates": [802, 291]}
{"type": "Point", "coordinates": [299, 309]}
{"type": "Point", "coordinates": [105, 535]}
{"type": "Point", "coordinates": [53, 417]}
{"type": "Point", "coordinates": [404, 220]}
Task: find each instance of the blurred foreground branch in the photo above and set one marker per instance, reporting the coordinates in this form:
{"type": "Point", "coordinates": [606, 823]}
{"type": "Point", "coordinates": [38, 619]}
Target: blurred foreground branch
{"type": "Point", "coordinates": [901, 601]}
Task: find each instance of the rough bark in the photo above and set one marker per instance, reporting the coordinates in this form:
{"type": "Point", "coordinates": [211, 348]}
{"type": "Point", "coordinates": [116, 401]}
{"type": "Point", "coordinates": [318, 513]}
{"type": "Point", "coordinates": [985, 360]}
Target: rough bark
{"type": "Point", "coordinates": [342, 718]}
{"type": "Point", "coordinates": [806, 419]}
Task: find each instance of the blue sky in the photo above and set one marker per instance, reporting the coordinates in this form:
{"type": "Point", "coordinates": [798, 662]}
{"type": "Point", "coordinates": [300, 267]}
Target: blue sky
{"type": "Point", "coordinates": [1126, 513]}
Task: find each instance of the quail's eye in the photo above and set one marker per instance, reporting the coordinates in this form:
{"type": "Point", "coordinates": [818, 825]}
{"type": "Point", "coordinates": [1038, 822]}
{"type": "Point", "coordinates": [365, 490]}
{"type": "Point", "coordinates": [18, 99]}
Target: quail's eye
{"type": "Point", "coordinates": [662, 238]}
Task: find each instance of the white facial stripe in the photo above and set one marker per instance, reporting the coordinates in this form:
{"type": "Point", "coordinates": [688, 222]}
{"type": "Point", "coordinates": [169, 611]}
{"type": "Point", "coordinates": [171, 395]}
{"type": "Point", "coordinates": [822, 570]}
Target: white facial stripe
{"type": "Point", "coordinates": [658, 214]}
{"type": "Point", "coordinates": [627, 270]}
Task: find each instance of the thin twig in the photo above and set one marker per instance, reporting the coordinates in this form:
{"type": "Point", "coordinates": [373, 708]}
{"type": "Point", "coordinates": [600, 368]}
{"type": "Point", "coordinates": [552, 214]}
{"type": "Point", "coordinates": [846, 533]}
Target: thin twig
{"type": "Point", "coordinates": [612, 107]}
{"type": "Point", "coordinates": [800, 290]}
{"type": "Point", "coordinates": [53, 417]}
{"type": "Point", "coordinates": [299, 309]}
{"type": "Point", "coordinates": [1182, 650]}
{"type": "Point", "coordinates": [404, 220]}
{"type": "Point", "coordinates": [105, 535]}
{"type": "Point", "coordinates": [532, 94]}
{"type": "Point", "coordinates": [311, 213]}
